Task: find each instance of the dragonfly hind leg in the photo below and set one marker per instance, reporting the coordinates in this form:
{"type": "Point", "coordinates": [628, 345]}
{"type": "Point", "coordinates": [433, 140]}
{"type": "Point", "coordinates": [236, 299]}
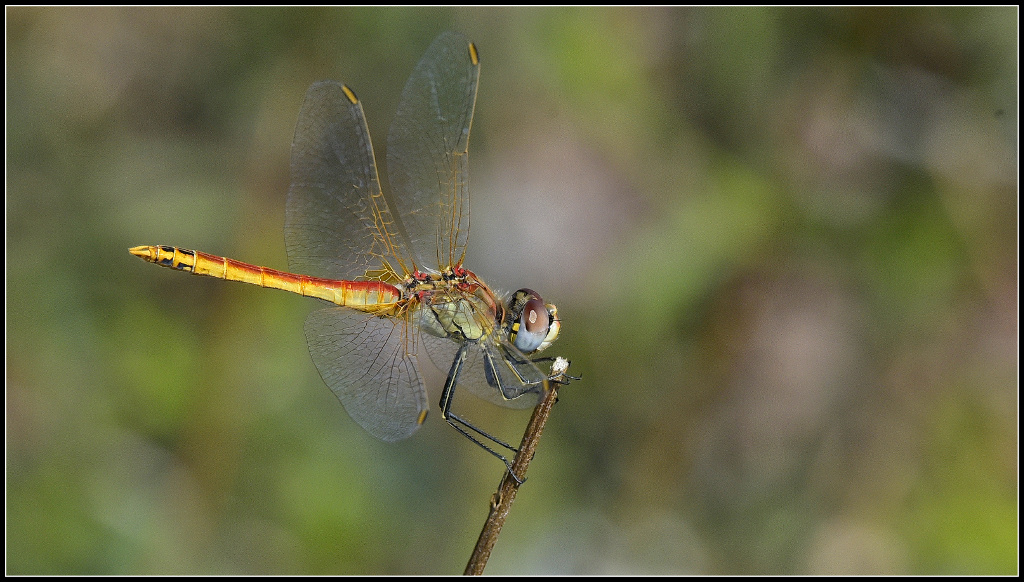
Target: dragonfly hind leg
{"type": "Point", "coordinates": [453, 419]}
{"type": "Point", "coordinates": [461, 425]}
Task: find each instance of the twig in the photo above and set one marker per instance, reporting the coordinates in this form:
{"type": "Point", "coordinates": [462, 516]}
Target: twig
{"type": "Point", "coordinates": [502, 499]}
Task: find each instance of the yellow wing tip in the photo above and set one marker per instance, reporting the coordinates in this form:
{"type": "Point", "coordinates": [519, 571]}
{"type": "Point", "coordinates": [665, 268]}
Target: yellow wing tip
{"type": "Point", "coordinates": [422, 417]}
{"type": "Point", "coordinates": [351, 96]}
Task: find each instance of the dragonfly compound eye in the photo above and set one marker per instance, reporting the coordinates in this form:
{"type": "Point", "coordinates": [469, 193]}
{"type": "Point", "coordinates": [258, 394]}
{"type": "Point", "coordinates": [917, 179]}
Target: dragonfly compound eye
{"type": "Point", "coordinates": [530, 327]}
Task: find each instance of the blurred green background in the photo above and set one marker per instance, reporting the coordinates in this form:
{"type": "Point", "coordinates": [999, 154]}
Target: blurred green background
{"type": "Point", "coordinates": [783, 243]}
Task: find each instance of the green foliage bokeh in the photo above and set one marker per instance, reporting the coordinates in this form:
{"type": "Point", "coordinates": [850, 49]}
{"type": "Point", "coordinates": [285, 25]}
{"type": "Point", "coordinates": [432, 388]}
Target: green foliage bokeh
{"type": "Point", "coordinates": [783, 244]}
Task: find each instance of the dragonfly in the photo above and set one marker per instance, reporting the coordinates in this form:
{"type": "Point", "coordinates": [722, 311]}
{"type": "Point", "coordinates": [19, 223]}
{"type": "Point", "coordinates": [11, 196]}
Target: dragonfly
{"type": "Point", "coordinates": [391, 263]}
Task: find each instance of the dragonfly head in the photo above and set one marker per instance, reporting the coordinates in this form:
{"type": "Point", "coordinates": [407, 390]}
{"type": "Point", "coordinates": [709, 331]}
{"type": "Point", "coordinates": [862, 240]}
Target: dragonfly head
{"type": "Point", "coordinates": [533, 325]}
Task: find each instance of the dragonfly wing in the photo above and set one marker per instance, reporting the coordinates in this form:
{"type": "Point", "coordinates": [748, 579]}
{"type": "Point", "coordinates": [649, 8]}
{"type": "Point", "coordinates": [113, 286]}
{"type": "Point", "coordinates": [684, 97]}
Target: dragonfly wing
{"type": "Point", "coordinates": [428, 151]}
{"type": "Point", "coordinates": [337, 223]}
{"type": "Point", "coordinates": [365, 361]}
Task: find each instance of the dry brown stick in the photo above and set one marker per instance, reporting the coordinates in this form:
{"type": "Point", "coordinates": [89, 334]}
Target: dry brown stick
{"type": "Point", "coordinates": [502, 500]}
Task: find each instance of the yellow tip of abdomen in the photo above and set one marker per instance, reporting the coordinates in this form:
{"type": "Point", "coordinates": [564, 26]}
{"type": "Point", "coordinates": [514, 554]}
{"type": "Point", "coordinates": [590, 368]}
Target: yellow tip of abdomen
{"type": "Point", "coordinates": [143, 252]}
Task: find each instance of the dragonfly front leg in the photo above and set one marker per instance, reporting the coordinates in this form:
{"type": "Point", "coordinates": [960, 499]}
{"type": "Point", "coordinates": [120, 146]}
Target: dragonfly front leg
{"type": "Point", "coordinates": [519, 385]}
{"type": "Point", "coordinates": [460, 424]}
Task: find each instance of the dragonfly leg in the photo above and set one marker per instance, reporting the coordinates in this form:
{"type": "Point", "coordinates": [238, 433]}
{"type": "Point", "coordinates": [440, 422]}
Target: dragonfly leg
{"type": "Point", "coordinates": [511, 361]}
{"type": "Point", "coordinates": [458, 423]}
{"type": "Point", "coordinates": [452, 419]}
{"type": "Point", "coordinates": [560, 377]}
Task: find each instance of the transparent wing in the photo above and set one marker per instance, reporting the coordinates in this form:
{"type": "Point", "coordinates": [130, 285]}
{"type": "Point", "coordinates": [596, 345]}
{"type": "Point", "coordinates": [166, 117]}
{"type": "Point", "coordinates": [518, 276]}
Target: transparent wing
{"type": "Point", "coordinates": [337, 223]}
{"type": "Point", "coordinates": [428, 151]}
{"type": "Point", "coordinates": [364, 360]}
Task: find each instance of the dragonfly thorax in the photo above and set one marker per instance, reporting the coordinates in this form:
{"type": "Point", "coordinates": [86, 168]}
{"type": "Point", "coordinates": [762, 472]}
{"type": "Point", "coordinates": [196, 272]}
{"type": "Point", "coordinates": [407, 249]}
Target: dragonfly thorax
{"type": "Point", "coordinates": [455, 304]}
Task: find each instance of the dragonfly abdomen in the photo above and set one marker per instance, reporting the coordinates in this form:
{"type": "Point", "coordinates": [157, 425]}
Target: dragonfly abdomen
{"type": "Point", "coordinates": [371, 296]}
